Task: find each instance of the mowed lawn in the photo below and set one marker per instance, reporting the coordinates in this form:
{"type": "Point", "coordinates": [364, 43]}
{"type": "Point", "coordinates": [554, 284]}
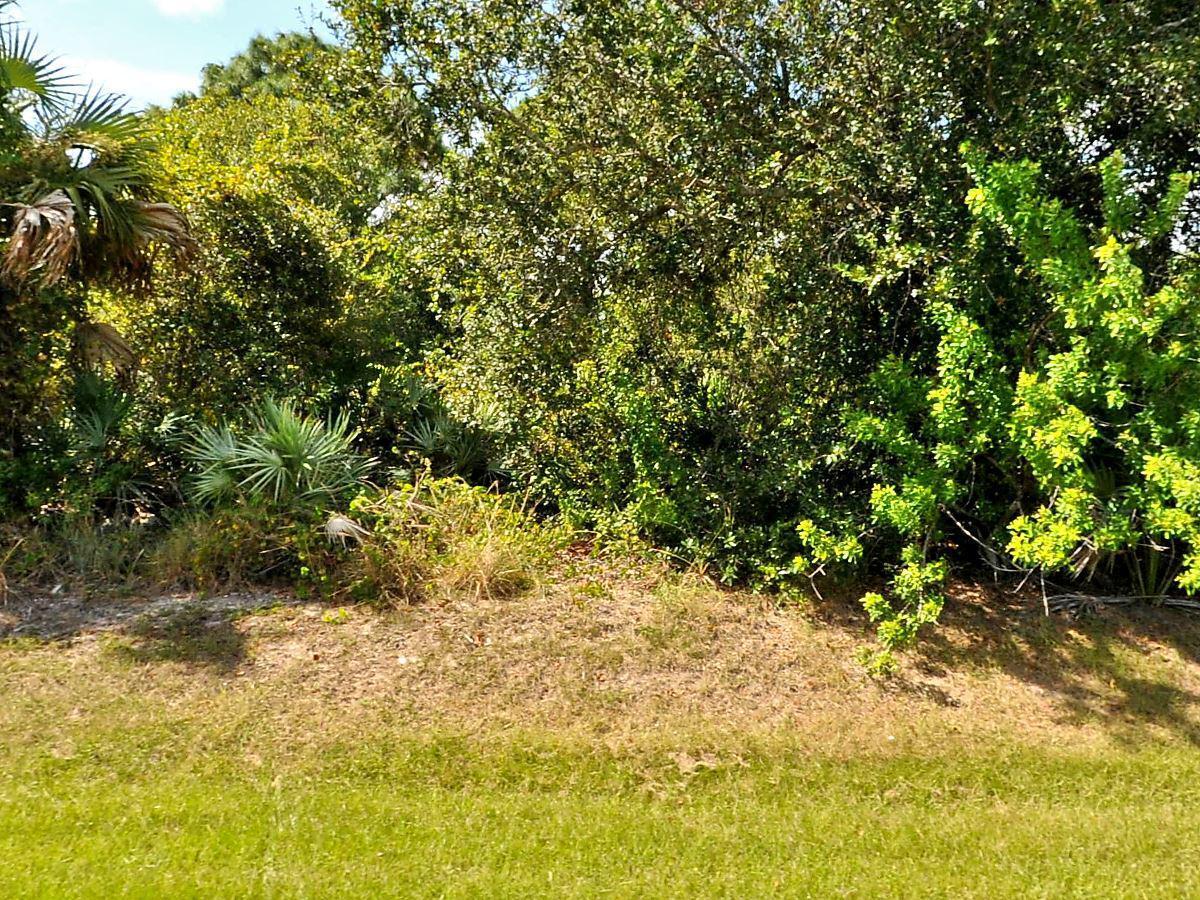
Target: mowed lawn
{"type": "Point", "coordinates": [267, 757]}
{"type": "Point", "coordinates": [438, 820]}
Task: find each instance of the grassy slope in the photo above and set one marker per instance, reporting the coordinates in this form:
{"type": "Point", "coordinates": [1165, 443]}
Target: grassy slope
{"type": "Point", "coordinates": [607, 737]}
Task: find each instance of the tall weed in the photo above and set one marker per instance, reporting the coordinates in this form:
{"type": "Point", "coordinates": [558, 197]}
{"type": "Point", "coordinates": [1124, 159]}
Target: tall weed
{"type": "Point", "coordinates": [442, 539]}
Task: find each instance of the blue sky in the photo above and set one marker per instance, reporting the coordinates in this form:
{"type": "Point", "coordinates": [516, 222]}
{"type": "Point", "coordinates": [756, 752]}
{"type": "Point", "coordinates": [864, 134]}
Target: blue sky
{"type": "Point", "coordinates": [151, 50]}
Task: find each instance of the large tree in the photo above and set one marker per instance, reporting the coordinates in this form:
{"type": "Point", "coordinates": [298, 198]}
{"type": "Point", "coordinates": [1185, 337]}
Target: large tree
{"type": "Point", "coordinates": [270, 65]}
{"type": "Point", "coordinates": [292, 292]}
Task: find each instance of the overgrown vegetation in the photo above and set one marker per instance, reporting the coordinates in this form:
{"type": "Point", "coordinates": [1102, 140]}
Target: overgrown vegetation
{"type": "Point", "coordinates": [793, 290]}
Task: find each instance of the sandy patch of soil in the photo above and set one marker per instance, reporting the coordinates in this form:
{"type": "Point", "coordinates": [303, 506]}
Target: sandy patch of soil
{"type": "Point", "coordinates": [60, 616]}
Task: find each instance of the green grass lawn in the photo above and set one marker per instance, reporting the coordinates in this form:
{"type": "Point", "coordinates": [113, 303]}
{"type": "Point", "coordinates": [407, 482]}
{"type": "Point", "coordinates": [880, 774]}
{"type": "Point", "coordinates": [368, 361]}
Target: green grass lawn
{"type": "Point", "coordinates": [260, 759]}
{"type": "Point", "coordinates": [438, 818]}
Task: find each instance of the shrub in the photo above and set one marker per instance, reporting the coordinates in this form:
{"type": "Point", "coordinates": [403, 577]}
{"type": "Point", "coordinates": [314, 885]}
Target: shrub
{"type": "Point", "coordinates": [293, 290]}
{"type": "Point", "coordinates": [1067, 447]}
{"type": "Point", "coordinates": [436, 539]}
{"type": "Point", "coordinates": [82, 553]}
{"type": "Point", "coordinates": [231, 546]}
{"type": "Point", "coordinates": [668, 243]}
{"type": "Point", "coordinates": [405, 419]}
{"type": "Point", "coordinates": [285, 458]}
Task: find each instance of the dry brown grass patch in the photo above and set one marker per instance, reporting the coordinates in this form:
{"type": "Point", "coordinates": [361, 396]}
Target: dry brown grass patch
{"type": "Point", "coordinates": [625, 659]}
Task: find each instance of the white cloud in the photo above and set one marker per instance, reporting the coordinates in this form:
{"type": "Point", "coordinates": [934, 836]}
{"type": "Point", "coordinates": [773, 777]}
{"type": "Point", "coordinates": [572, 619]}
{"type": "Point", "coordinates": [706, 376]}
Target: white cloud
{"type": "Point", "coordinates": [142, 86]}
{"type": "Point", "coordinates": [193, 8]}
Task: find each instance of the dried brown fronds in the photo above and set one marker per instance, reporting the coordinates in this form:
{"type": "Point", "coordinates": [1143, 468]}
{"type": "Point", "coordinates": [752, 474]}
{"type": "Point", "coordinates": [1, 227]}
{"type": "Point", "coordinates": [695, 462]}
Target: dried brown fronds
{"type": "Point", "coordinates": [99, 343]}
{"type": "Point", "coordinates": [44, 242]}
{"type": "Point", "coordinates": [164, 225]}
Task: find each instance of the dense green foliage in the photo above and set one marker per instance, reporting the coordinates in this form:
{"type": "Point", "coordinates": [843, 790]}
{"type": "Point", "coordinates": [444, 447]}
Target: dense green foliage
{"type": "Point", "coordinates": [279, 66]}
{"type": "Point", "coordinates": [795, 288]}
{"type": "Point", "coordinates": [674, 242]}
{"type": "Point", "coordinates": [677, 238]}
{"type": "Point", "coordinates": [297, 289]}
{"type": "Point", "coordinates": [284, 294]}
{"type": "Point", "coordinates": [77, 209]}
{"type": "Point", "coordinates": [1071, 446]}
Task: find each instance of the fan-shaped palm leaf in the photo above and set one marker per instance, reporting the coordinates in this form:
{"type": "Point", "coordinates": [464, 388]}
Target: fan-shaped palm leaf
{"type": "Point", "coordinates": [99, 343]}
{"type": "Point", "coordinates": [98, 411]}
{"type": "Point", "coordinates": [214, 450]}
{"type": "Point", "coordinates": [97, 121]}
{"type": "Point", "coordinates": [162, 223]}
{"type": "Point", "coordinates": [82, 208]}
{"type": "Point", "coordinates": [22, 68]}
{"type": "Point", "coordinates": [130, 234]}
{"type": "Point", "coordinates": [287, 457]}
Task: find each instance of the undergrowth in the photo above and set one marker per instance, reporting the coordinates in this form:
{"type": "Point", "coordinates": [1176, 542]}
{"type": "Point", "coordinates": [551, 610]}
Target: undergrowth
{"type": "Point", "coordinates": [441, 538]}
{"type": "Point", "coordinates": [432, 540]}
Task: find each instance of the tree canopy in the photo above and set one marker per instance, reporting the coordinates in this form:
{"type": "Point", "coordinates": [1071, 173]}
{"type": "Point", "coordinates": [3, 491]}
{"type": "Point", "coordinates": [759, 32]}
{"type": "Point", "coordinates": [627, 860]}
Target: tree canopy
{"type": "Point", "coordinates": [270, 65]}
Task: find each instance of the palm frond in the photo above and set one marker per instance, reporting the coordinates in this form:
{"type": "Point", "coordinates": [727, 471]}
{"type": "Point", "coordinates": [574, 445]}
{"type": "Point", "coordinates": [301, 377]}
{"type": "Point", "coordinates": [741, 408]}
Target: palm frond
{"type": "Point", "coordinates": [100, 343]}
{"type": "Point", "coordinates": [287, 457]}
{"type": "Point", "coordinates": [344, 530]}
{"type": "Point", "coordinates": [214, 450]}
{"type": "Point", "coordinates": [211, 446]}
{"type": "Point", "coordinates": [428, 435]}
{"type": "Point", "coordinates": [117, 236]}
{"type": "Point", "coordinates": [44, 241]}
{"type": "Point", "coordinates": [128, 237]}
{"type": "Point", "coordinates": [98, 121]}
{"type": "Point", "coordinates": [98, 411]}
{"type": "Point", "coordinates": [100, 195]}
{"type": "Point", "coordinates": [22, 68]}
{"type": "Point", "coordinates": [81, 206]}
{"type": "Point", "coordinates": [163, 224]}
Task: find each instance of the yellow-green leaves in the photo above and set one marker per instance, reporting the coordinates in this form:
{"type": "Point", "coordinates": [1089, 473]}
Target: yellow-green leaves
{"type": "Point", "coordinates": [1094, 418]}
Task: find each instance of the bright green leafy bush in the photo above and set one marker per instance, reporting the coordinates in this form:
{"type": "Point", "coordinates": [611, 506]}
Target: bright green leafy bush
{"type": "Point", "coordinates": [287, 294]}
{"type": "Point", "coordinates": [1091, 428]}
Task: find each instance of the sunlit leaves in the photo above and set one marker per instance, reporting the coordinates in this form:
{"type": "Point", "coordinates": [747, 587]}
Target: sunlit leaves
{"type": "Point", "coordinates": [1102, 417]}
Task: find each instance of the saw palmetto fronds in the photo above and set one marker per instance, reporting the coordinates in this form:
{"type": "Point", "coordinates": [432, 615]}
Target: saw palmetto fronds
{"type": "Point", "coordinates": [214, 450]}
{"type": "Point", "coordinates": [97, 413]}
{"type": "Point", "coordinates": [285, 457]}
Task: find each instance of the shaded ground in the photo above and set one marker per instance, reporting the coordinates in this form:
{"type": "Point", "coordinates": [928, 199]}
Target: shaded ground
{"type": "Point", "coordinates": [59, 616]}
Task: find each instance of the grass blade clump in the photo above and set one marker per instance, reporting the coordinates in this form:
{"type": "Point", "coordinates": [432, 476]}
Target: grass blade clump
{"type": "Point", "coordinates": [443, 539]}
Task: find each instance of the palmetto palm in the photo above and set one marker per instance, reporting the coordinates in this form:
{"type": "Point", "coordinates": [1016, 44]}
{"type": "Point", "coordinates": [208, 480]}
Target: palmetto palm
{"type": "Point", "coordinates": [285, 457]}
{"type": "Point", "coordinates": [74, 183]}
